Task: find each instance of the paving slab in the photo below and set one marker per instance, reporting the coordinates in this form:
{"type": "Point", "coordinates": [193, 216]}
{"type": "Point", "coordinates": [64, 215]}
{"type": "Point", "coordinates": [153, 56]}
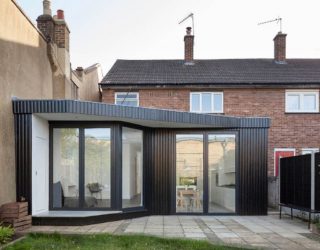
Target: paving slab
{"type": "Point", "coordinates": [262, 232]}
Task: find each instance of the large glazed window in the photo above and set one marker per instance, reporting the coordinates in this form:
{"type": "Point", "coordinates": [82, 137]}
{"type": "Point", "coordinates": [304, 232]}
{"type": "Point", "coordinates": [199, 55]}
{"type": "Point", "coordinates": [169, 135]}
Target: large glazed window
{"type": "Point", "coordinates": [222, 173]}
{"type": "Point", "coordinates": [97, 167]}
{"type": "Point", "coordinates": [65, 189]}
{"type": "Point", "coordinates": [189, 173]}
{"type": "Point", "coordinates": [132, 167]}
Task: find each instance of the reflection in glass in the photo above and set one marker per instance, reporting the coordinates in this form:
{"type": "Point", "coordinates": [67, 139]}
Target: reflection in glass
{"type": "Point", "coordinates": [222, 173]}
{"type": "Point", "coordinates": [132, 170]}
{"type": "Point", "coordinates": [195, 105]}
{"type": "Point", "coordinates": [293, 102]}
{"type": "Point", "coordinates": [97, 167]}
{"type": "Point", "coordinates": [309, 102]}
{"type": "Point", "coordinates": [217, 102]}
{"type": "Point", "coordinates": [189, 173]}
{"type": "Point", "coordinates": [206, 102]}
{"type": "Point", "coordinates": [65, 190]}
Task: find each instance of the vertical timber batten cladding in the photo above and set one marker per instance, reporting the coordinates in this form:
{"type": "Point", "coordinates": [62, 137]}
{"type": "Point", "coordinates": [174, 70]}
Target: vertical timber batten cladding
{"type": "Point", "coordinates": [160, 128]}
{"type": "Point", "coordinates": [23, 132]}
{"type": "Point", "coordinates": [317, 181]}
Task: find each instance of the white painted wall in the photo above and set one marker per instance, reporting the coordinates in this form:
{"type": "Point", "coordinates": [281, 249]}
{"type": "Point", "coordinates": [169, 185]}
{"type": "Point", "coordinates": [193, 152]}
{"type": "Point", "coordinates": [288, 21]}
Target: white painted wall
{"type": "Point", "coordinates": [40, 165]}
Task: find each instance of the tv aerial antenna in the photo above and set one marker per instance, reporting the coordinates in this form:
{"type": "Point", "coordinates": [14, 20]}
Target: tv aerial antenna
{"type": "Point", "coordinates": [187, 17]}
{"type": "Point", "coordinates": [278, 20]}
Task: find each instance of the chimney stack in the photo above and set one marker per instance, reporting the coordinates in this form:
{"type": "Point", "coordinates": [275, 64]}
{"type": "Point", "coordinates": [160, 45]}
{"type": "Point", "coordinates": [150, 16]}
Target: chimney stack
{"type": "Point", "coordinates": [79, 71]}
{"type": "Point", "coordinates": [47, 7]}
{"type": "Point", "coordinates": [280, 48]}
{"type": "Point", "coordinates": [188, 46]}
{"type": "Point", "coordinates": [60, 14]}
{"type": "Point", "coordinates": [45, 22]}
{"type": "Point", "coordinates": [62, 31]}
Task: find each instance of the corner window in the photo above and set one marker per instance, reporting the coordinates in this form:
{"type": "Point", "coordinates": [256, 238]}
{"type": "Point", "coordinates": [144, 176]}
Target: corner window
{"type": "Point", "coordinates": [306, 101]}
{"type": "Point", "coordinates": [127, 99]}
{"type": "Point", "coordinates": [206, 102]}
{"type": "Point", "coordinates": [132, 167]}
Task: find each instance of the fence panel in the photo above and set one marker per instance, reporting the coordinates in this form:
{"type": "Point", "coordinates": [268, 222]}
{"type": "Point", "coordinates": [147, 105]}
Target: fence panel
{"type": "Point", "coordinates": [317, 181]}
{"type": "Point", "coordinates": [295, 181]}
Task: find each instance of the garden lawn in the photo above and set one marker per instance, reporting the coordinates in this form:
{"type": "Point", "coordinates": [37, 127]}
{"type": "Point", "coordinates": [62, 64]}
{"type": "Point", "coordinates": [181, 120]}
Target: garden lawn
{"type": "Point", "coordinates": [106, 241]}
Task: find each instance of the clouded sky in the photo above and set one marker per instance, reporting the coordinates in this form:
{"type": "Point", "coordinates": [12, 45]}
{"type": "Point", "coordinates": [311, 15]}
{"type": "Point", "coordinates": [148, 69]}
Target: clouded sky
{"type": "Point", "coordinates": [105, 30]}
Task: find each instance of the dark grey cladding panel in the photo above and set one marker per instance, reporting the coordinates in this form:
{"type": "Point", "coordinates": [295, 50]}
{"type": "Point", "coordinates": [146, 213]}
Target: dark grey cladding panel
{"type": "Point", "coordinates": [135, 113]}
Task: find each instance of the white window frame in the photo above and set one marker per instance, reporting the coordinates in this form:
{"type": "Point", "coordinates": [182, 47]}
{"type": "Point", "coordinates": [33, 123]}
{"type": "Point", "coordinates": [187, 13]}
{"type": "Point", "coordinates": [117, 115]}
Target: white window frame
{"type": "Point", "coordinates": [126, 93]}
{"type": "Point", "coordinates": [212, 102]}
{"type": "Point", "coordinates": [274, 156]}
{"type": "Point", "coordinates": [314, 150]}
{"type": "Point", "coordinates": [301, 94]}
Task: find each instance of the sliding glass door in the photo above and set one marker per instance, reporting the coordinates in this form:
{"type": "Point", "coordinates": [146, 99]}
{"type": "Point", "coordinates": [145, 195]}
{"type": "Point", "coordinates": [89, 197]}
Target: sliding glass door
{"type": "Point", "coordinates": [205, 173]}
{"type": "Point", "coordinates": [132, 168]}
{"type": "Point", "coordinates": [97, 164]}
{"type": "Point", "coordinates": [81, 168]}
{"type": "Point", "coordinates": [189, 173]}
{"type": "Point", "coordinates": [65, 187]}
{"type": "Point", "coordinates": [222, 173]}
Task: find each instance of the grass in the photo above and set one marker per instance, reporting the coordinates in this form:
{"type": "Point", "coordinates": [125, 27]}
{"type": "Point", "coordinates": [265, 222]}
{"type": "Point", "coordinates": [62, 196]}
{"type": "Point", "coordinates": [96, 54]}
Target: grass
{"type": "Point", "coordinates": [106, 241]}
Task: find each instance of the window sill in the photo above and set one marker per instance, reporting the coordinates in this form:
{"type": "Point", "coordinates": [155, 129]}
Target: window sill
{"type": "Point", "coordinates": [207, 113]}
{"type": "Point", "coordinates": [301, 113]}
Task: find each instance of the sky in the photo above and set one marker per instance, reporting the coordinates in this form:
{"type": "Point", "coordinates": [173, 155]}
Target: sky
{"type": "Point", "coordinates": [103, 31]}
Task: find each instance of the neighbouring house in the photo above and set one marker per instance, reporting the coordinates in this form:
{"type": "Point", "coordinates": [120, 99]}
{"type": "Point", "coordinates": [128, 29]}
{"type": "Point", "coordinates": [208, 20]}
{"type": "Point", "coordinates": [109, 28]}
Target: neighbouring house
{"type": "Point", "coordinates": [34, 65]}
{"type": "Point", "coordinates": [285, 90]}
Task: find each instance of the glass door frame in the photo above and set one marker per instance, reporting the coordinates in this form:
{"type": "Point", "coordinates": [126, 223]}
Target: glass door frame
{"type": "Point", "coordinates": [205, 205]}
{"type": "Point", "coordinates": [114, 182]}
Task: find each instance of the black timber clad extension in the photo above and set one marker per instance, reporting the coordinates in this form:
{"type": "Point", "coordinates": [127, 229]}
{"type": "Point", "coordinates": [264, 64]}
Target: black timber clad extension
{"type": "Point", "coordinates": [23, 134]}
{"type": "Point", "coordinates": [135, 113]}
{"type": "Point", "coordinates": [159, 149]}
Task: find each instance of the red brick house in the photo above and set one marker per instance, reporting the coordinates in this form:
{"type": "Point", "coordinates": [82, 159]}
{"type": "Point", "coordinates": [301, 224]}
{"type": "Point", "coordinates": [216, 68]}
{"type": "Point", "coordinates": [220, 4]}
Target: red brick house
{"type": "Point", "coordinates": [286, 90]}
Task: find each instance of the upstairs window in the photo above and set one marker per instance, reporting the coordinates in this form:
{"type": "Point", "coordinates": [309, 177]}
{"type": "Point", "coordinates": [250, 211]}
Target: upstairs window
{"type": "Point", "coordinates": [304, 101]}
{"type": "Point", "coordinates": [127, 99]}
{"type": "Point", "coordinates": [206, 102]}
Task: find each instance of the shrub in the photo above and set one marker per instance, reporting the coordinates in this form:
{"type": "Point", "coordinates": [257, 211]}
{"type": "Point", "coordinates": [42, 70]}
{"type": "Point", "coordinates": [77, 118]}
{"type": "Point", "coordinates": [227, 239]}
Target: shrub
{"type": "Point", "coordinates": [6, 234]}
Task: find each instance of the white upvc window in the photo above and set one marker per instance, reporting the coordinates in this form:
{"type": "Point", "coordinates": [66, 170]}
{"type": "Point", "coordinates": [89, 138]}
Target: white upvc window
{"type": "Point", "coordinates": [206, 102]}
{"type": "Point", "coordinates": [127, 99]}
{"type": "Point", "coordinates": [305, 151]}
{"type": "Point", "coordinates": [302, 101]}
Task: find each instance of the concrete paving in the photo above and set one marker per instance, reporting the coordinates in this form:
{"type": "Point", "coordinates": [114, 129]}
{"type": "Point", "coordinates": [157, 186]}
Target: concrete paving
{"type": "Point", "coordinates": [262, 232]}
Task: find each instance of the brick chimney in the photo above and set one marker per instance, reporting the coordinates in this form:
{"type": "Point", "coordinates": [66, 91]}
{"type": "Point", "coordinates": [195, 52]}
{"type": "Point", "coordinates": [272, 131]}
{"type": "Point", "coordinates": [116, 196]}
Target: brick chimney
{"type": "Point", "coordinates": [188, 46]}
{"type": "Point", "coordinates": [280, 48]}
{"type": "Point", "coordinates": [62, 32]}
{"type": "Point", "coordinates": [45, 22]}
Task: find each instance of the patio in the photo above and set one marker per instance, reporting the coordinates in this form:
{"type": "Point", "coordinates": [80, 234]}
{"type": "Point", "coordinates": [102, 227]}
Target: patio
{"type": "Point", "coordinates": [249, 231]}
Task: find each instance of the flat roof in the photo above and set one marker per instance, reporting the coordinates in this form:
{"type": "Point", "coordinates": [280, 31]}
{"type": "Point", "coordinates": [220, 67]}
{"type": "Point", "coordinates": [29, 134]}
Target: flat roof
{"type": "Point", "coordinates": [74, 110]}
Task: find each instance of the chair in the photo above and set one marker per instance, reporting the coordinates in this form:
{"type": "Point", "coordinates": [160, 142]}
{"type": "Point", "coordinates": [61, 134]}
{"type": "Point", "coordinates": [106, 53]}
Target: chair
{"type": "Point", "coordinates": [58, 196]}
{"type": "Point", "coordinates": [196, 199]}
{"type": "Point", "coordinates": [182, 201]}
{"type": "Point", "coordinates": [95, 188]}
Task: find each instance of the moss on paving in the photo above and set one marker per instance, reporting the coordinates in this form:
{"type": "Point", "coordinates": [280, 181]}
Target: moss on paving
{"type": "Point", "coordinates": [106, 241]}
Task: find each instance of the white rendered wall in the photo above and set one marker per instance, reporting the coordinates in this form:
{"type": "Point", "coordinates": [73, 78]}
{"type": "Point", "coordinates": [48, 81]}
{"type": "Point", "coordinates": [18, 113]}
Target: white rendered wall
{"type": "Point", "coordinates": [40, 165]}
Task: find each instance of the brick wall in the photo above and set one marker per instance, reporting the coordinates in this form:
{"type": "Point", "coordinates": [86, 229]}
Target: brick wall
{"type": "Point", "coordinates": [62, 36]}
{"type": "Point", "coordinates": [287, 130]}
{"type": "Point", "coordinates": [163, 99]}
